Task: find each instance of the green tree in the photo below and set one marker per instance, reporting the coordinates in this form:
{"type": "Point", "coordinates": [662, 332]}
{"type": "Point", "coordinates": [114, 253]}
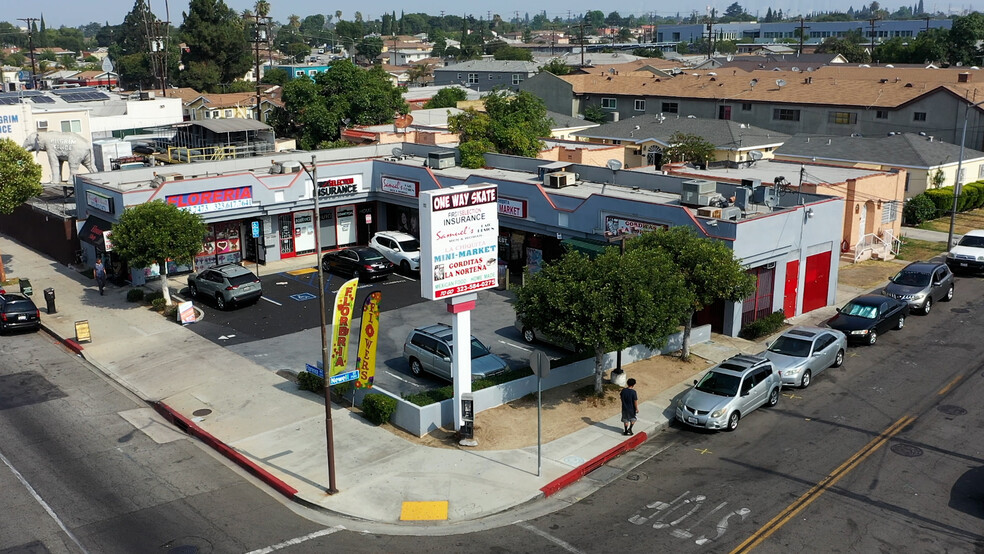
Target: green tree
{"type": "Point", "coordinates": [513, 123]}
{"type": "Point", "coordinates": [708, 268]}
{"type": "Point", "coordinates": [418, 72]}
{"type": "Point", "coordinates": [447, 97]}
{"type": "Point", "coordinates": [513, 53]}
{"type": "Point", "coordinates": [154, 232]}
{"type": "Point", "coordinates": [276, 76]}
{"type": "Point", "coordinates": [966, 33]}
{"type": "Point", "coordinates": [20, 177]}
{"type": "Point", "coordinates": [607, 303]}
{"type": "Point", "coordinates": [556, 66]}
{"type": "Point", "coordinates": [689, 148]}
{"type": "Point", "coordinates": [370, 48]}
{"type": "Point", "coordinates": [647, 52]}
{"type": "Point", "coordinates": [216, 38]}
{"type": "Point", "coordinates": [853, 51]}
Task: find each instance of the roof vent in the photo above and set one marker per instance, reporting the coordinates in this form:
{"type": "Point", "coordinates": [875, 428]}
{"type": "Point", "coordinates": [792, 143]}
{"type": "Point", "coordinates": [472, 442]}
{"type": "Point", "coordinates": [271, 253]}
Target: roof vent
{"type": "Point", "coordinates": [963, 77]}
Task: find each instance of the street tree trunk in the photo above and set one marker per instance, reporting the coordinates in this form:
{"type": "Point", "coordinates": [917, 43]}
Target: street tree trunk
{"type": "Point", "coordinates": [164, 288]}
{"type": "Point", "coordinates": [599, 369]}
{"type": "Point", "coordinates": [688, 324]}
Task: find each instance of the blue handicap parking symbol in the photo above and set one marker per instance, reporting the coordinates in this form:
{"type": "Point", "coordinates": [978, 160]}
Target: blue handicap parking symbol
{"type": "Point", "coordinates": [303, 296]}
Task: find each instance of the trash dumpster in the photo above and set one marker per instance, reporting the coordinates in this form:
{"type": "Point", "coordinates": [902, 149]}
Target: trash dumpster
{"type": "Point", "coordinates": [49, 298]}
{"type": "Point", "coordinates": [25, 287]}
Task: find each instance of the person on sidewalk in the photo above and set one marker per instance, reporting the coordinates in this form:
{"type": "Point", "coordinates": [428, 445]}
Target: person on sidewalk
{"type": "Point", "coordinates": [100, 275]}
{"type": "Point", "coordinates": [630, 406]}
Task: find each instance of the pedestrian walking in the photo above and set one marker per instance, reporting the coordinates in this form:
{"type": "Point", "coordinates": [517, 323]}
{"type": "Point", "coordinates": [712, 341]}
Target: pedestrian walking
{"type": "Point", "coordinates": [100, 275]}
{"type": "Point", "coordinates": [630, 406]}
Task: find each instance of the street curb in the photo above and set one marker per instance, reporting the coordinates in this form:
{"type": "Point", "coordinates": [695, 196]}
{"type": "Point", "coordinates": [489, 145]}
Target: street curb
{"type": "Point", "coordinates": [71, 344]}
{"type": "Point", "coordinates": [577, 473]}
{"type": "Point", "coordinates": [191, 428]}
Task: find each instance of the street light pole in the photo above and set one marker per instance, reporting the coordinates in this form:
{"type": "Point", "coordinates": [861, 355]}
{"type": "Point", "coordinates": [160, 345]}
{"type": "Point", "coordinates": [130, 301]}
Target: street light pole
{"type": "Point", "coordinates": [958, 187]}
{"type": "Point", "coordinates": [329, 435]}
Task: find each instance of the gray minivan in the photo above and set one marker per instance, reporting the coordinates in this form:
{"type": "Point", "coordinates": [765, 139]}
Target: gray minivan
{"type": "Point", "coordinates": [429, 349]}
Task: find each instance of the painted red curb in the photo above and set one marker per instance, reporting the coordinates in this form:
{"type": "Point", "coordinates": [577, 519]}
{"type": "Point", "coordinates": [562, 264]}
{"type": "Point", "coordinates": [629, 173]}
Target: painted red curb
{"type": "Point", "coordinates": [577, 473]}
{"type": "Point", "coordinates": [73, 346]}
{"type": "Point", "coordinates": [227, 451]}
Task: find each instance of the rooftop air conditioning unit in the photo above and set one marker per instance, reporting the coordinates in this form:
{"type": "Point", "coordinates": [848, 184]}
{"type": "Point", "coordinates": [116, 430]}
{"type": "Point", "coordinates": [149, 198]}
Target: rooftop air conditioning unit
{"type": "Point", "coordinates": [42, 125]}
{"type": "Point", "coordinates": [559, 179]}
{"type": "Point", "coordinates": [290, 166]}
{"type": "Point", "coordinates": [168, 177]}
{"type": "Point", "coordinates": [440, 160]}
{"type": "Point", "coordinates": [708, 211]}
{"type": "Point", "coordinates": [693, 190]}
{"type": "Point", "coordinates": [146, 95]}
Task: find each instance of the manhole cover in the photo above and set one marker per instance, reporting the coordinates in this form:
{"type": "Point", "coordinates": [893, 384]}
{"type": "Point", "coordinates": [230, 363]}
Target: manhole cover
{"type": "Point", "coordinates": [950, 409]}
{"type": "Point", "coordinates": [636, 477]}
{"type": "Point", "coordinates": [907, 450]}
{"type": "Point", "coordinates": [201, 413]}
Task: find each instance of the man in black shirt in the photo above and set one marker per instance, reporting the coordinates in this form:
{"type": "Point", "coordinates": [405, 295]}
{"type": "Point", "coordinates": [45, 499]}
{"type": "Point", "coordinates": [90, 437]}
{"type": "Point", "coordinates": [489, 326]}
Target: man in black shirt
{"type": "Point", "coordinates": [630, 406]}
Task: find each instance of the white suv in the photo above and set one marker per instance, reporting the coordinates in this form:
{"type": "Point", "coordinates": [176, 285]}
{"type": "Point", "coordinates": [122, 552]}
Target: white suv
{"type": "Point", "coordinates": [400, 248]}
{"type": "Point", "coordinates": [968, 254]}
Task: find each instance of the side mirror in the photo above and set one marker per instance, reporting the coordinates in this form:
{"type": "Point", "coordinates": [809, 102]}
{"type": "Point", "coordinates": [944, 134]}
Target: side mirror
{"type": "Point", "coordinates": [695, 382]}
{"type": "Point", "coordinates": [745, 393]}
{"type": "Point", "coordinates": [445, 358]}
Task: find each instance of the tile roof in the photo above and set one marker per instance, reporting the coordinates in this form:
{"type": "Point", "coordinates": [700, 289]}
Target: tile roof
{"type": "Point", "coordinates": [903, 149]}
{"type": "Point", "coordinates": [719, 132]}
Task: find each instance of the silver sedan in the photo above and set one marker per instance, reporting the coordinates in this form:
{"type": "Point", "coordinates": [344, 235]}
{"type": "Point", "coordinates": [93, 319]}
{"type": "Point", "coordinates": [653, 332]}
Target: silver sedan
{"type": "Point", "coordinates": [803, 352]}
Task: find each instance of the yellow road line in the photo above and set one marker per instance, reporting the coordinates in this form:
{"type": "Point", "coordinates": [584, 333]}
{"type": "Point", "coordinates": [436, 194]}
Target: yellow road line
{"type": "Point", "coordinates": [949, 386]}
{"type": "Point", "coordinates": [802, 502]}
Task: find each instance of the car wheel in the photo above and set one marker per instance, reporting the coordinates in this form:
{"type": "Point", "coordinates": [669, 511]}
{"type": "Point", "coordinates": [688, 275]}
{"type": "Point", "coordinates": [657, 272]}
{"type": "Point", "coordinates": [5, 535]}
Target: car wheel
{"type": "Point", "coordinates": [949, 294]}
{"type": "Point", "coordinates": [774, 396]}
{"type": "Point", "coordinates": [901, 322]}
{"type": "Point", "coordinates": [805, 380]}
{"type": "Point", "coordinates": [405, 267]}
{"type": "Point", "coordinates": [839, 358]}
{"type": "Point", "coordinates": [193, 290]}
{"type": "Point", "coordinates": [529, 335]}
{"type": "Point", "coordinates": [872, 337]}
{"type": "Point", "coordinates": [220, 302]}
{"type": "Point", "coordinates": [927, 306]}
{"type": "Point", "coordinates": [733, 421]}
{"type": "Point", "coordinates": [415, 367]}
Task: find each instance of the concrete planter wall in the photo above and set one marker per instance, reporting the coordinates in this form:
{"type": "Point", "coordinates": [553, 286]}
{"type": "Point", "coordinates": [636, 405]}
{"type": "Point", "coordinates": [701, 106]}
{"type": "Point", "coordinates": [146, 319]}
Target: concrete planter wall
{"type": "Point", "coordinates": [421, 420]}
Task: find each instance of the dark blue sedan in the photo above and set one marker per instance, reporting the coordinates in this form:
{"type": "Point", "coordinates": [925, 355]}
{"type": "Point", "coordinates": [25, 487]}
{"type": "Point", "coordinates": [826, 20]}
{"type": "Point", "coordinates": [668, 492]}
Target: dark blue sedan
{"type": "Point", "coordinates": [867, 316]}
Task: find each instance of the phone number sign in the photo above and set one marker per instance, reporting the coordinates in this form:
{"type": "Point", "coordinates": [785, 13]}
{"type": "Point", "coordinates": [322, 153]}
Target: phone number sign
{"type": "Point", "coordinates": [459, 250]}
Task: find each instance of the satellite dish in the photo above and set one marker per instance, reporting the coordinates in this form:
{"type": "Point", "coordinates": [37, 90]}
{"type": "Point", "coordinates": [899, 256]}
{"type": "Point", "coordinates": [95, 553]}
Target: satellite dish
{"type": "Point", "coordinates": [752, 83]}
{"type": "Point", "coordinates": [107, 65]}
{"type": "Point", "coordinates": [795, 68]}
{"type": "Point", "coordinates": [755, 155]}
{"type": "Point", "coordinates": [890, 66]}
{"type": "Point", "coordinates": [729, 57]}
{"type": "Point", "coordinates": [611, 70]}
{"type": "Point", "coordinates": [809, 70]}
{"type": "Point", "coordinates": [780, 83]}
{"type": "Point", "coordinates": [614, 165]}
{"type": "Point", "coordinates": [712, 74]}
{"type": "Point", "coordinates": [397, 152]}
{"type": "Point", "coordinates": [402, 121]}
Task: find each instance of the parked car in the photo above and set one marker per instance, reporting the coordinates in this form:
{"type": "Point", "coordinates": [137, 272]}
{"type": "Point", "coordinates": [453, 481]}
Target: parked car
{"type": "Point", "coordinates": [227, 284]}
{"type": "Point", "coordinates": [920, 284]}
{"type": "Point", "coordinates": [869, 315]}
{"type": "Point", "coordinates": [400, 248]}
{"type": "Point", "coordinates": [532, 335]}
{"type": "Point", "coordinates": [18, 312]}
{"type": "Point", "coordinates": [968, 254]}
{"type": "Point", "coordinates": [729, 391]}
{"type": "Point", "coordinates": [429, 349]}
{"type": "Point", "coordinates": [360, 261]}
{"type": "Point", "coordinates": [804, 352]}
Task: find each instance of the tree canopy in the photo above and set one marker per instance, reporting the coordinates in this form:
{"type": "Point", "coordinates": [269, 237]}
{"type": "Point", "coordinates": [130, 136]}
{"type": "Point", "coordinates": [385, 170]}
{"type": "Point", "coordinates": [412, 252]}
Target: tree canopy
{"type": "Point", "coordinates": [709, 270]}
{"type": "Point", "coordinates": [154, 232]}
{"type": "Point", "coordinates": [20, 177]}
{"type": "Point", "coordinates": [689, 148]}
{"type": "Point", "coordinates": [607, 303]}
{"type": "Point", "coordinates": [447, 97]}
{"type": "Point", "coordinates": [556, 66]}
{"type": "Point", "coordinates": [511, 123]}
{"type": "Point", "coordinates": [217, 48]}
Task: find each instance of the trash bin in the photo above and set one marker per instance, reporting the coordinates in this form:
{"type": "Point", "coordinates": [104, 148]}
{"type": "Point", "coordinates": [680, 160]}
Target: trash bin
{"type": "Point", "coordinates": [25, 287]}
{"type": "Point", "coordinates": [49, 299]}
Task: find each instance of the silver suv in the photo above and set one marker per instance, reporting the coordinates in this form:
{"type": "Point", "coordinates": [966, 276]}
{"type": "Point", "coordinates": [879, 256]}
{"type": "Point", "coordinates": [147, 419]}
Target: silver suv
{"type": "Point", "coordinates": [730, 391]}
{"type": "Point", "coordinates": [429, 349]}
{"type": "Point", "coordinates": [920, 284]}
{"type": "Point", "coordinates": [227, 284]}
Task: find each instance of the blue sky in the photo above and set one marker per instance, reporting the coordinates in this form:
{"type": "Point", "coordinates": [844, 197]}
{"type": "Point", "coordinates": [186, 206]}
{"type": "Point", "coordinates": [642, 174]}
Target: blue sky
{"type": "Point", "coordinates": [72, 13]}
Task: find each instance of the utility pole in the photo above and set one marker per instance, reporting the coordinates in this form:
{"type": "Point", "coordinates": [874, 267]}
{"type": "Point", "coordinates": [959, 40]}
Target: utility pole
{"type": "Point", "coordinates": [872, 20]}
{"type": "Point", "coordinates": [30, 44]}
{"type": "Point", "coordinates": [259, 35]}
{"type": "Point", "coordinates": [803, 29]}
{"type": "Point", "coordinates": [710, 34]}
{"type": "Point", "coordinates": [581, 31]}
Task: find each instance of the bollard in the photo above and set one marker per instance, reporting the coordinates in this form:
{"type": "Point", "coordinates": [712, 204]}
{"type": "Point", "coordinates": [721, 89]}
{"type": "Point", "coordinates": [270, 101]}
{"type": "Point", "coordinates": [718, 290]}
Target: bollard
{"type": "Point", "coordinates": [49, 298]}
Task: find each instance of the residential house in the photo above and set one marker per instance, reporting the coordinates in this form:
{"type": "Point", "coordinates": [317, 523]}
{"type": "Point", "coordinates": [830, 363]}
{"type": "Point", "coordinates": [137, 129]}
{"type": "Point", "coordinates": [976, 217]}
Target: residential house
{"type": "Point", "coordinates": [486, 75]}
{"type": "Point", "coordinates": [108, 79]}
{"type": "Point", "coordinates": [199, 106]}
{"type": "Point", "coordinates": [564, 127]}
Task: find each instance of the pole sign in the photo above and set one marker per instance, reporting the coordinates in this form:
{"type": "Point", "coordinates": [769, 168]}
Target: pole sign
{"type": "Point", "coordinates": [341, 323]}
{"type": "Point", "coordinates": [459, 240]}
{"type": "Point", "coordinates": [365, 364]}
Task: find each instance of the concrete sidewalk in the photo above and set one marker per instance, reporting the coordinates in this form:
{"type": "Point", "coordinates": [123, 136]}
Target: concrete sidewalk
{"type": "Point", "coordinates": [278, 432]}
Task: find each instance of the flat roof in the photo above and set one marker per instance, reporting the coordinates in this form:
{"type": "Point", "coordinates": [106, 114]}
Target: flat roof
{"type": "Point", "coordinates": [768, 170]}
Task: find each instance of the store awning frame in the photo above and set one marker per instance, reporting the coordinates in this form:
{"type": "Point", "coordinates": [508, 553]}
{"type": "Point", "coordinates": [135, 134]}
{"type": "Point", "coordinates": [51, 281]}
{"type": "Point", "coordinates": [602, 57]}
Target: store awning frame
{"type": "Point", "coordinates": [585, 246]}
{"type": "Point", "coordinates": [92, 232]}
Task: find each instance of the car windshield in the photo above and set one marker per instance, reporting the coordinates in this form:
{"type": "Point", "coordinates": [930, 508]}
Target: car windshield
{"type": "Point", "coordinates": [860, 310]}
{"type": "Point", "coordinates": [478, 349]}
{"type": "Point", "coordinates": [719, 383]}
{"type": "Point", "coordinates": [372, 256]}
{"type": "Point", "coordinates": [409, 245]}
{"type": "Point", "coordinates": [972, 241]}
{"type": "Point", "coordinates": [791, 347]}
{"type": "Point", "coordinates": [911, 278]}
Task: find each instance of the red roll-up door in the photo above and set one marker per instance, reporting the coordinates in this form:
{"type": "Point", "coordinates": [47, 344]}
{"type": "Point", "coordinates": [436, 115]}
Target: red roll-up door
{"type": "Point", "coordinates": [817, 281]}
{"type": "Point", "coordinates": [789, 296]}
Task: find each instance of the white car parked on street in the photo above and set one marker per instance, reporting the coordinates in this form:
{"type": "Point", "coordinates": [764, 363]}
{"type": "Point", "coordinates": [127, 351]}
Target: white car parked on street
{"type": "Point", "coordinates": [400, 248]}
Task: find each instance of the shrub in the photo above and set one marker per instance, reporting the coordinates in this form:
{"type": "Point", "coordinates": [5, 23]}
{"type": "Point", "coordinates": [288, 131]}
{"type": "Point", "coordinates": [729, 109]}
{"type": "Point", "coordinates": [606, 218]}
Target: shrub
{"type": "Point", "coordinates": [134, 295]}
{"type": "Point", "coordinates": [378, 408]}
{"type": "Point", "coordinates": [171, 311]}
{"type": "Point", "coordinates": [310, 382]}
{"type": "Point", "coordinates": [158, 303]}
{"type": "Point", "coordinates": [918, 210]}
{"type": "Point", "coordinates": [342, 389]}
{"type": "Point", "coordinates": [942, 199]}
{"type": "Point", "coordinates": [151, 296]}
{"type": "Point", "coordinates": [764, 326]}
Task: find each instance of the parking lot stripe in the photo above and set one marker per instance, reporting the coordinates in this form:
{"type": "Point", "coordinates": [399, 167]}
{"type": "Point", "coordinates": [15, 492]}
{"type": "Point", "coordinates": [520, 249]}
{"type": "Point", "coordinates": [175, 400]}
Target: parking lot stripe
{"type": "Point", "coordinates": [271, 301]}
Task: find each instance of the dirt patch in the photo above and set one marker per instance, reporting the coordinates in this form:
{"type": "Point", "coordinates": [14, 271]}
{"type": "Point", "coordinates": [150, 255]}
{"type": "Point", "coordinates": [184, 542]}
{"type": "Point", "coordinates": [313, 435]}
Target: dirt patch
{"type": "Point", "coordinates": [565, 409]}
{"type": "Point", "coordinates": [869, 273]}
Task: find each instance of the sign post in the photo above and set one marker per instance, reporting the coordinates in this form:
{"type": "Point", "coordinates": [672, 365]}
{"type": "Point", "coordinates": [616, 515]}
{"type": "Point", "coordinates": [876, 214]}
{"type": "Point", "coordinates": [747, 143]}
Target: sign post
{"type": "Point", "coordinates": [540, 364]}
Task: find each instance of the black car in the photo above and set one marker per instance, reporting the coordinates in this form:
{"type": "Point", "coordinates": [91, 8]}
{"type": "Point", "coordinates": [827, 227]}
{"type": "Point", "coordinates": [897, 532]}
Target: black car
{"type": "Point", "coordinates": [865, 317]}
{"type": "Point", "coordinates": [360, 261]}
{"type": "Point", "coordinates": [18, 312]}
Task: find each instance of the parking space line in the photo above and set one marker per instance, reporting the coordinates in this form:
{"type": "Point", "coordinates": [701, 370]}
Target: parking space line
{"type": "Point", "coordinates": [515, 345]}
{"type": "Point", "coordinates": [391, 374]}
{"type": "Point", "coordinates": [270, 301]}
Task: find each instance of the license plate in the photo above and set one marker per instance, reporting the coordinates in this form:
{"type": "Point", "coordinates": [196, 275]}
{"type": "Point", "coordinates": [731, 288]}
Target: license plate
{"type": "Point", "coordinates": [962, 264]}
{"type": "Point", "coordinates": [692, 420]}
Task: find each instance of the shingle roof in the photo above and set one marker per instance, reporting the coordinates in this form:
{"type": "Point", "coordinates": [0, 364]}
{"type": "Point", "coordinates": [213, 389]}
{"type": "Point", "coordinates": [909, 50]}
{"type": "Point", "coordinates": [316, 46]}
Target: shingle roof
{"type": "Point", "coordinates": [491, 65]}
{"type": "Point", "coordinates": [903, 149]}
{"type": "Point", "coordinates": [719, 132]}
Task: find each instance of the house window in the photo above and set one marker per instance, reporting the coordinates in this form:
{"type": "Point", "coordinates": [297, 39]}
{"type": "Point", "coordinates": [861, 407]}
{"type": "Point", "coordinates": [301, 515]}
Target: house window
{"type": "Point", "coordinates": [781, 114]}
{"type": "Point", "coordinates": [71, 126]}
{"type": "Point", "coordinates": [640, 105]}
{"type": "Point", "coordinates": [843, 118]}
{"type": "Point", "coordinates": [980, 171]}
{"type": "Point", "coordinates": [473, 78]}
{"type": "Point", "coordinates": [746, 107]}
{"type": "Point", "coordinates": [671, 107]}
{"type": "Point", "coordinates": [881, 114]}
{"type": "Point", "coordinates": [890, 211]}
{"type": "Point", "coordinates": [609, 103]}
{"type": "Point", "coordinates": [490, 76]}
{"type": "Point", "coordinates": [919, 116]}
{"type": "Point", "coordinates": [228, 114]}
{"type": "Point", "coordinates": [459, 76]}
{"type": "Point", "coordinates": [517, 78]}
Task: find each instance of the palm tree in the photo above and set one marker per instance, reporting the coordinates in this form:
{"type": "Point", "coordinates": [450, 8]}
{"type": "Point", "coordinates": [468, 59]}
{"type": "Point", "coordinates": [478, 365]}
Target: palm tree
{"type": "Point", "coordinates": [294, 21]}
{"type": "Point", "coordinates": [338, 15]}
{"type": "Point", "coordinates": [262, 8]}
